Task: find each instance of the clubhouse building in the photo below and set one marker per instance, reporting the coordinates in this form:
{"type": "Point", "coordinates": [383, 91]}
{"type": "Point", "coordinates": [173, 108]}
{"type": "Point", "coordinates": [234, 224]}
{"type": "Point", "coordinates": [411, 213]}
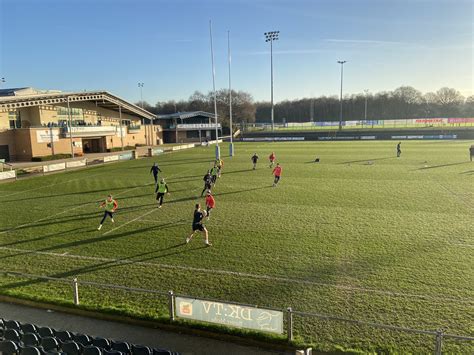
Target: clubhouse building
{"type": "Point", "coordinates": [37, 123]}
{"type": "Point", "coordinates": [188, 127]}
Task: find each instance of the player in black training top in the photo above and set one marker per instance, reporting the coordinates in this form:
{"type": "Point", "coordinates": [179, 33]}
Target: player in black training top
{"type": "Point", "coordinates": [399, 149]}
{"type": "Point", "coordinates": [198, 226]}
{"type": "Point", "coordinates": [254, 161]}
{"type": "Point", "coordinates": [207, 182]}
{"type": "Point", "coordinates": [155, 169]}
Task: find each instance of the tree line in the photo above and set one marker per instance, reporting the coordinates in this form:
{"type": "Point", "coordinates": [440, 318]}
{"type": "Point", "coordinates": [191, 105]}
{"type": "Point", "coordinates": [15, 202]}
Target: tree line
{"type": "Point", "coordinates": [401, 103]}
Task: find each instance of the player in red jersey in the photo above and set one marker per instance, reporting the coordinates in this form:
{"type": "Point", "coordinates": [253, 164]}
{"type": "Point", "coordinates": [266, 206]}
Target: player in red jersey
{"type": "Point", "coordinates": [272, 158]}
{"type": "Point", "coordinates": [277, 173]}
{"type": "Point", "coordinates": [210, 203]}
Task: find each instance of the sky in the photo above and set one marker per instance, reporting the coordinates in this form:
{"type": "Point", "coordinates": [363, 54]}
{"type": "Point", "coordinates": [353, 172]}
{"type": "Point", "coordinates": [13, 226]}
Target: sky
{"type": "Point", "coordinates": [76, 45]}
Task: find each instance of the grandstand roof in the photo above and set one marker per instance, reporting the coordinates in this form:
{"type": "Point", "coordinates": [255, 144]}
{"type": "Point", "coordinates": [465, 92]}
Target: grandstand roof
{"type": "Point", "coordinates": [27, 97]}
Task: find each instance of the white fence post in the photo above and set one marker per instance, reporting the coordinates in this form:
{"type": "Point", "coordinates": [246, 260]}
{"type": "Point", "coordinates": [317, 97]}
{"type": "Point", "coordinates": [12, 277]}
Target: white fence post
{"type": "Point", "coordinates": [439, 342]}
{"type": "Point", "coordinates": [289, 324]}
{"type": "Point", "coordinates": [171, 305]}
{"type": "Point", "coordinates": [75, 290]}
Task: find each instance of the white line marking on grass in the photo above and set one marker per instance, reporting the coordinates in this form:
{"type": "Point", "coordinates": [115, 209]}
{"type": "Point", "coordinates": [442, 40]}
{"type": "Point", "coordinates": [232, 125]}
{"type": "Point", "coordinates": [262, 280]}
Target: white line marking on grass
{"type": "Point", "coordinates": [62, 212]}
{"type": "Point", "coordinates": [131, 221]}
{"type": "Point", "coordinates": [244, 274]}
{"type": "Point", "coordinates": [42, 219]}
{"type": "Point", "coordinates": [455, 195]}
{"type": "Point", "coordinates": [51, 185]}
{"type": "Point", "coordinates": [151, 221]}
{"type": "Point", "coordinates": [139, 217]}
{"type": "Point", "coordinates": [74, 208]}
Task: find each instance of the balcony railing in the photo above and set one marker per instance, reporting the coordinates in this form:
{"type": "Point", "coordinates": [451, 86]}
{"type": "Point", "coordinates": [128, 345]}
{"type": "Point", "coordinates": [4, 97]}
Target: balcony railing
{"type": "Point", "coordinates": [196, 126]}
{"type": "Point", "coordinates": [89, 131]}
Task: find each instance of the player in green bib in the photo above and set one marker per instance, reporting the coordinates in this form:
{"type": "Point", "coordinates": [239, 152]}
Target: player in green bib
{"type": "Point", "coordinates": [161, 190]}
{"type": "Point", "coordinates": [214, 174]}
{"type": "Point", "coordinates": [110, 206]}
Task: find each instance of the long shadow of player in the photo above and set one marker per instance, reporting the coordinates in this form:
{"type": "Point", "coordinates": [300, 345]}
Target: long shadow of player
{"type": "Point", "coordinates": [103, 266]}
{"type": "Point", "coordinates": [22, 241]}
{"type": "Point", "coordinates": [365, 160]}
{"type": "Point", "coordinates": [68, 194]}
{"type": "Point", "coordinates": [241, 191]}
{"type": "Point", "coordinates": [442, 165]}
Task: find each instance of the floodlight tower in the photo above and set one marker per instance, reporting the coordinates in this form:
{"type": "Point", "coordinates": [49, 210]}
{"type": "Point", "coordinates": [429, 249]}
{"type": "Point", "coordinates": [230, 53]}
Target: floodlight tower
{"type": "Point", "coordinates": [342, 75]}
{"type": "Point", "coordinates": [270, 37]}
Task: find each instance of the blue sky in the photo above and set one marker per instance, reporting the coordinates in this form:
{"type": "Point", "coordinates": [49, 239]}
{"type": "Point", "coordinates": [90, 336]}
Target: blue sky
{"type": "Point", "coordinates": [114, 44]}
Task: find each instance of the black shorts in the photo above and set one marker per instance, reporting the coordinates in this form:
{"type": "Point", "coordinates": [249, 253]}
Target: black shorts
{"type": "Point", "coordinates": [159, 195]}
{"type": "Point", "coordinates": [198, 227]}
{"type": "Point", "coordinates": [277, 178]}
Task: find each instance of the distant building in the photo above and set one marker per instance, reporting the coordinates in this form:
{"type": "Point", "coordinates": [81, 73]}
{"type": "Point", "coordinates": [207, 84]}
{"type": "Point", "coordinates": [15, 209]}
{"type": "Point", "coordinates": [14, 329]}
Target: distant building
{"type": "Point", "coordinates": [37, 123]}
{"type": "Point", "coordinates": [182, 127]}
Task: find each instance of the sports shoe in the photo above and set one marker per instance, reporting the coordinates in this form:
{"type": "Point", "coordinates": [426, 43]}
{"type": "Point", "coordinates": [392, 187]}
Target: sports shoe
{"type": "Point", "coordinates": [113, 220]}
{"type": "Point", "coordinates": [208, 244]}
{"type": "Point", "coordinates": [100, 226]}
{"type": "Point", "coordinates": [187, 240]}
{"type": "Point", "coordinates": [159, 206]}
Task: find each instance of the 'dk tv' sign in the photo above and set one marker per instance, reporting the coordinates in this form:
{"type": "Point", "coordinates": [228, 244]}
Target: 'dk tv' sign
{"type": "Point", "coordinates": [230, 314]}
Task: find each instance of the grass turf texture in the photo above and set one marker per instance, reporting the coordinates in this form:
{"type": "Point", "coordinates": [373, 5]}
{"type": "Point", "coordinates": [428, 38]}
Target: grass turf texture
{"type": "Point", "coordinates": [361, 235]}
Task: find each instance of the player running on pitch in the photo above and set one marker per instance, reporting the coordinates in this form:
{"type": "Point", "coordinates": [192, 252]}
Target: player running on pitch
{"type": "Point", "coordinates": [110, 207]}
{"type": "Point", "coordinates": [198, 226]}
{"type": "Point", "coordinates": [277, 173]}
{"type": "Point", "coordinates": [161, 190]}
{"type": "Point", "coordinates": [155, 169]}
{"type": "Point", "coordinates": [207, 182]}
{"type": "Point", "coordinates": [220, 165]}
{"type": "Point", "coordinates": [399, 149]}
{"type": "Point", "coordinates": [254, 161]}
{"type": "Point", "coordinates": [214, 174]}
{"type": "Point", "coordinates": [210, 203]}
{"type": "Point", "coordinates": [272, 158]}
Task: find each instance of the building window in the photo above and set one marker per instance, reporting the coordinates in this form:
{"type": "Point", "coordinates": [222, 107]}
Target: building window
{"type": "Point", "coordinates": [192, 134]}
{"type": "Point", "coordinates": [14, 118]}
{"type": "Point", "coordinates": [77, 115]}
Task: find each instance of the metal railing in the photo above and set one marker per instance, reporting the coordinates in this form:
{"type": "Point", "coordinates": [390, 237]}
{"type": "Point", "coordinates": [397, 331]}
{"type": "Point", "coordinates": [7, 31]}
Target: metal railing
{"type": "Point", "coordinates": [3, 164]}
{"type": "Point", "coordinates": [438, 337]}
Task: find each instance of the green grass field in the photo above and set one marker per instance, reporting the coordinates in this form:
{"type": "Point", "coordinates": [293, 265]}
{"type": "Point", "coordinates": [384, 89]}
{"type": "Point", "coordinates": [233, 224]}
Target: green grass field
{"type": "Point", "coordinates": [361, 235]}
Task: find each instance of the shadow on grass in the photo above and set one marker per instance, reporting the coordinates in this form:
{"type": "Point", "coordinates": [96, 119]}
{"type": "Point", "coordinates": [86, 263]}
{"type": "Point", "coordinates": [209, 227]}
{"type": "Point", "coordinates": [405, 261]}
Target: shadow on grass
{"type": "Point", "coordinates": [469, 172]}
{"type": "Point", "coordinates": [96, 239]}
{"type": "Point", "coordinates": [442, 165]}
{"type": "Point", "coordinates": [107, 264]}
{"type": "Point", "coordinates": [171, 163]}
{"type": "Point", "coordinates": [43, 237]}
{"type": "Point", "coordinates": [365, 160]}
{"type": "Point", "coordinates": [106, 191]}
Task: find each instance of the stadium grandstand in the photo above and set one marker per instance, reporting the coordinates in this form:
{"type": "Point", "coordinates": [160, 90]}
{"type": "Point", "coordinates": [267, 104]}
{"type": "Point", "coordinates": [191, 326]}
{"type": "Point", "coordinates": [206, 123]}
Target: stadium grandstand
{"type": "Point", "coordinates": [36, 123]}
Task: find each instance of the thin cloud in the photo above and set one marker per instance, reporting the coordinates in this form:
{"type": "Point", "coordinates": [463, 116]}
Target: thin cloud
{"type": "Point", "coordinates": [364, 41]}
{"type": "Point", "coordinates": [288, 51]}
{"type": "Point", "coordinates": [407, 45]}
